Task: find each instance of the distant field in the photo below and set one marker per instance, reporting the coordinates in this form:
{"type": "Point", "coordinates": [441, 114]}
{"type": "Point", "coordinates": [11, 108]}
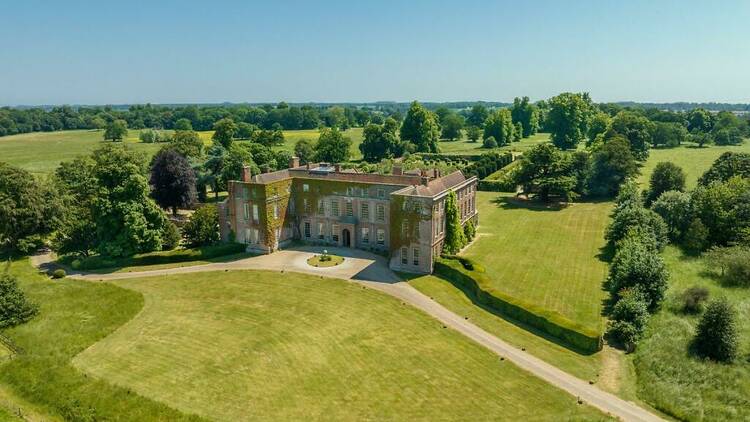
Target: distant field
{"type": "Point", "coordinates": [464, 146]}
{"type": "Point", "coordinates": [253, 345]}
{"type": "Point", "coordinates": [695, 161]}
{"type": "Point", "coordinates": [547, 257]}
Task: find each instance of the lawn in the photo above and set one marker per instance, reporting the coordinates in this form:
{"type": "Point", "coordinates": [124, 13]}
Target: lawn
{"type": "Point", "coordinates": [464, 146]}
{"type": "Point", "coordinates": [695, 161]}
{"type": "Point", "coordinates": [254, 345]}
{"type": "Point", "coordinates": [73, 315]}
{"type": "Point", "coordinates": [547, 256]}
{"type": "Point", "coordinates": [675, 381]}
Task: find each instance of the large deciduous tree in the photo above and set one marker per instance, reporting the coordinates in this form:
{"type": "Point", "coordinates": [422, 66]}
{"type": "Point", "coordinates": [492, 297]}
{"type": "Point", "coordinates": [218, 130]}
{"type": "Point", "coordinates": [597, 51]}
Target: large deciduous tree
{"type": "Point", "coordinates": [187, 143]}
{"type": "Point", "coordinates": [203, 227]}
{"type": "Point", "coordinates": [421, 129]}
{"type": "Point", "coordinates": [304, 149]}
{"type": "Point", "coordinates": [499, 125]}
{"type": "Point", "coordinates": [717, 335]}
{"type": "Point", "coordinates": [224, 132]}
{"type": "Point", "coordinates": [381, 141]}
{"type": "Point", "coordinates": [452, 124]}
{"type": "Point", "coordinates": [29, 209]}
{"type": "Point", "coordinates": [612, 164]}
{"type": "Point", "coordinates": [15, 309]}
{"type": "Point", "coordinates": [116, 130]}
{"type": "Point", "coordinates": [567, 119]}
{"type": "Point", "coordinates": [172, 180]}
{"type": "Point", "coordinates": [477, 116]}
{"type": "Point", "coordinates": [635, 128]}
{"type": "Point", "coordinates": [333, 146]}
{"type": "Point", "coordinates": [546, 171]}
{"type": "Point", "coordinates": [526, 114]}
{"type": "Point", "coordinates": [666, 176]}
{"type": "Point", "coordinates": [728, 165]}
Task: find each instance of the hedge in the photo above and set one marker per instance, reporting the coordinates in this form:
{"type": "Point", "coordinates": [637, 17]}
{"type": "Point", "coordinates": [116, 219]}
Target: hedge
{"type": "Point", "coordinates": [496, 186]}
{"type": "Point", "coordinates": [156, 258]}
{"type": "Point", "coordinates": [457, 270]}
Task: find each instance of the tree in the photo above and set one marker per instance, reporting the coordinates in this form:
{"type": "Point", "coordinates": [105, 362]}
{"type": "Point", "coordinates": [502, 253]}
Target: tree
{"type": "Point", "coordinates": [631, 218]}
{"type": "Point", "coordinates": [305, 151]}
{"type": "Point", "coordinates": [668, 134]}
{"type": "Point", "coordinates": [29, 209]}
{"type": "Point", "coordinates": [452, 124]}
{"type": "Point", "coordinates": [567, 119]}
{"type": "Point", "coordinates": [628, 318]}
{"type": "Point", "coordinates": [245, 130]}
{"type": "Point", "coordinates": [477, 116]}
{"type": "Point", "coordinates": [15, 309]}
{"type": "Point", "coordinates": [546, 171]}
{"type": "Point", "coordinates": [172, 180]}
{"type": "Point", "coordinates": [695, 238]}
{"type": "Point", "coordinates": [666, 176]}
{"type": "Point", "coordinates": [381, 141]}
{"type": "Point", "coordinates": [724, 209]}
{"type": "Point", "coordinates": [333, 146]}
{"type": "Point", "coordinates": [126, 219]}
{"type": "Point", "coordinates": [187, 143]}
{"type": "Point", "coordinates": [183, 124]}
{"type": "Point", "coordinates": [675, 208]}
{"type": "Point", "coordinates": [98, 123]}
{"type": "Point", "coordinates": [700, 120]}
{"type": "Point", "coordinates": [728, 165]}
{"type": "Point", "coordinates": [454, 233]}
{"type": "Point", "coordinates": [612, 164]}
{"type": "Point", "coordinates": [598, 125]}
{"type": "Point", "coordinates": [203, 227]}
{"type": "Point", "coordinates": [224, 132]}
{"type": "Point", "coordinates": [728, 129]}
{"type": "Point", "coordinates": [635, 128]}
{"type": "Point", "coordinates": [473, 133]}
{"type": "Point", "coordinates": [525, 114]}
{"type": "Point", "coordinates": [78, 187]}
{"type": "Point", "coordinates": [499, 125]}
{"type": "Point", "coordinates": [116, 130]}
{"type": "Point", "coordinates": [421, 129]}
{"type": "Point", "coordinates": [637, 265]}
{"type": "Point", "coordinates": [269, 137]}
{"type": "Point", "coordinates": [717, 334]}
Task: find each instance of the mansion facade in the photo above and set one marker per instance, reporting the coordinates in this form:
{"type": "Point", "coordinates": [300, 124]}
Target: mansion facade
{"type": "Point", "coordinates": [399, 215]}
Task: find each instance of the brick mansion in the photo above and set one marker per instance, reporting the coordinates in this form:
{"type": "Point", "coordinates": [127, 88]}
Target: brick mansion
{"type": "Point", "coordinates": [400, 215]}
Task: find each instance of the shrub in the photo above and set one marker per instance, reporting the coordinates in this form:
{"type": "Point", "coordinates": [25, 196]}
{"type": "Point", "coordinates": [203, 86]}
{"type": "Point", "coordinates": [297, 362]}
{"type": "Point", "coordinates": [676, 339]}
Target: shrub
{"type": "Point", "coordinates": [633, 308]}
{"type": "Point", "coordinates": [170, 236]}
{"type": "Point", "coordinates": [58, 273]}
{"type": "Point", "coordinates": [637, 265]}
{"type": "Point", "coordinates": [203, 227]}
{"type": "Point", "coordinates": [469, 231]}
{"type": "Point", "coordinates": [14, 308]}
{"type": "Point", "coordinates": [693, 299]}
{"type": "Point", "coordinates": [695, 238]}
{"type": "Point", "coordinates": [675, 208]}
{"type": "Point", "coordinates": [489, 142]}
{"type": "Point", "coordinates": [717, 334]}
{"type": "Point", "coordinates": [623, 333]}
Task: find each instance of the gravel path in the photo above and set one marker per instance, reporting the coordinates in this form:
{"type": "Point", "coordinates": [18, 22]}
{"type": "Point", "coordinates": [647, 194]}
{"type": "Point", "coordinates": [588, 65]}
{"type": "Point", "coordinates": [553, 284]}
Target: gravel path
{"type": "Point", "coordinates": [372, 271]}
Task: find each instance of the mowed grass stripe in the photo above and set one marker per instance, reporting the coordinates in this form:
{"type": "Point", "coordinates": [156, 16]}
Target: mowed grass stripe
{"type": "Point", "coordinates": [546, 257]}
{"type": "Point", "coordinates": [261, 345]}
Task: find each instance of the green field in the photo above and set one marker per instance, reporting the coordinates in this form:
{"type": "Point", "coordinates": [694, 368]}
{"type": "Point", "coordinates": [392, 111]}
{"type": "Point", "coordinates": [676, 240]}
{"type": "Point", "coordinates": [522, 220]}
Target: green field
{"type": "Point", "coordinates": [549, 257]}
{"type": "Point", "coordinates": [42, 152]}
{"type": "Point", "coordinates": [252, 345]}
{"type": "Point", "coordinates": [464, 146]}
{"type": "Point", "coordinates": [695, 161]}
{"type": "Point", "coordinates": [677, 382]}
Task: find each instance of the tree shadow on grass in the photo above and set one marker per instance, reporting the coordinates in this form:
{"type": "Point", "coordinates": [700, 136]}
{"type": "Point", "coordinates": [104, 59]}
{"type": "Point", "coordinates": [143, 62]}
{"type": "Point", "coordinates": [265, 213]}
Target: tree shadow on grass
{"type": "Point", "coordinates": [475, 301]}
{"type": "Point", "coordinates": [512, 203]}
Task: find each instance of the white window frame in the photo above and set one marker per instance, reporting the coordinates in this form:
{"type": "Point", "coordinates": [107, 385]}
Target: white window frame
{"type": "Point", "coordinates": [255, 213]}
{"type": "Point", "coordinates": [381, 237]}
{"type": "Point", "coordinates": [415, 256]}
{"type": "Point", "coordinates": [404, 255]}
{"type": "Point", "coordinates": [307, 229]}
{"type": "Point", "coordinates": [365, 235]}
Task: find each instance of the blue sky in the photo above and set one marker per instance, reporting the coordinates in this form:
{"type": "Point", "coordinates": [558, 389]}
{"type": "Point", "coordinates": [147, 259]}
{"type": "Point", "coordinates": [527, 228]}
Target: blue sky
{"type": "Point", "coordinates": [78, 52]}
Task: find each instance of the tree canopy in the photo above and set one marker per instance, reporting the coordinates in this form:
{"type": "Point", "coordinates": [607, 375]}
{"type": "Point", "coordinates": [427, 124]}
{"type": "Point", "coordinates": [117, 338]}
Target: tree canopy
{"type": "Point", "coordinates": [333, 146]}
{"type": "Point", "coordinates": [381, 141]}
{"type": "Point", "coordinates": [172, 180]}
{"type": "Point", "coordinates": [568, 118]}
{"type": "Point", "coordinates": [421, 129]}
{"type": "Point", "coordinates": [499, 125]}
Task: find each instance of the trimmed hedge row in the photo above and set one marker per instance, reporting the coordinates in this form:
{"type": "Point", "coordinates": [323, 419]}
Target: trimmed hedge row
{"type": "Point", "coordinates": [448, 157]}
{"type": "Point", "coordinates": [156, 258]}
{"type": "Point", "coordinates": [459, 270]}
{"type": "Point", "coordinates": [496, 186]}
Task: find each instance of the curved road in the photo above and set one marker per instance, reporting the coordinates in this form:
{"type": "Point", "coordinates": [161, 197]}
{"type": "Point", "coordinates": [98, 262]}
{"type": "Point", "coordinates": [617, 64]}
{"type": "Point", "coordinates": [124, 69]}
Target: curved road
{"type": "Point", "coordinates": [372, 271]}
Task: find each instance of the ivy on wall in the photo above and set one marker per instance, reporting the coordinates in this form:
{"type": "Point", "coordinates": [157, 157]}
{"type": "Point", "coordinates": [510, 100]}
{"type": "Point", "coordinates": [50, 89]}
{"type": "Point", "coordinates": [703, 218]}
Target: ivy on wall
{"type": "Point", "coordinates": [454, 233]}
{"type": "Point", "coordinates": [406, 213]}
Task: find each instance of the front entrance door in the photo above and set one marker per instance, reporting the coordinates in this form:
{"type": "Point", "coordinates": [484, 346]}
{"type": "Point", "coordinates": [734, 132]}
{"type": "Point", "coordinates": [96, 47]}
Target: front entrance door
{"type": "Point", "coordinates": [346, 237]}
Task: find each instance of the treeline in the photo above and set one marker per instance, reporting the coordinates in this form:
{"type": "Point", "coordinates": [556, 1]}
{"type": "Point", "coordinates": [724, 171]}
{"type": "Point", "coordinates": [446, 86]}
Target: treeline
{"type": "Point", "coordinates": [280, 116]}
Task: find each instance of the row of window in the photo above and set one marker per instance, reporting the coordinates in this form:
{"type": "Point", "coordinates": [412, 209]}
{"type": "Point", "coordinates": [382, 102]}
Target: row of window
{"type": "Point", "coordinates": [405, 256]}
{"type": "Point", "coordinates": [353, 191]}
{"type": "Point", "coordinates": [335, 231]}
{"type": "Point", "coordinates": [364, 209]}
{"type": "Point", "coordinates": [276, 210]}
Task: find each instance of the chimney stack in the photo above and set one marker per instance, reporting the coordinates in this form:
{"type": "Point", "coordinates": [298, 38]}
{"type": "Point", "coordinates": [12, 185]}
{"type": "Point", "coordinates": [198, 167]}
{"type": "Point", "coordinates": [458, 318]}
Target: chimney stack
{"type": "Point", "coordinates": [246, 174]}
{"type": "Point", "coordinates": [425, 180]}
{"type": "Point", "coordinates": [337, 167]}
{"type": "Point", "coordinates": [294, 162]}
{"type": "Point", "coordinates": [397, 170]}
